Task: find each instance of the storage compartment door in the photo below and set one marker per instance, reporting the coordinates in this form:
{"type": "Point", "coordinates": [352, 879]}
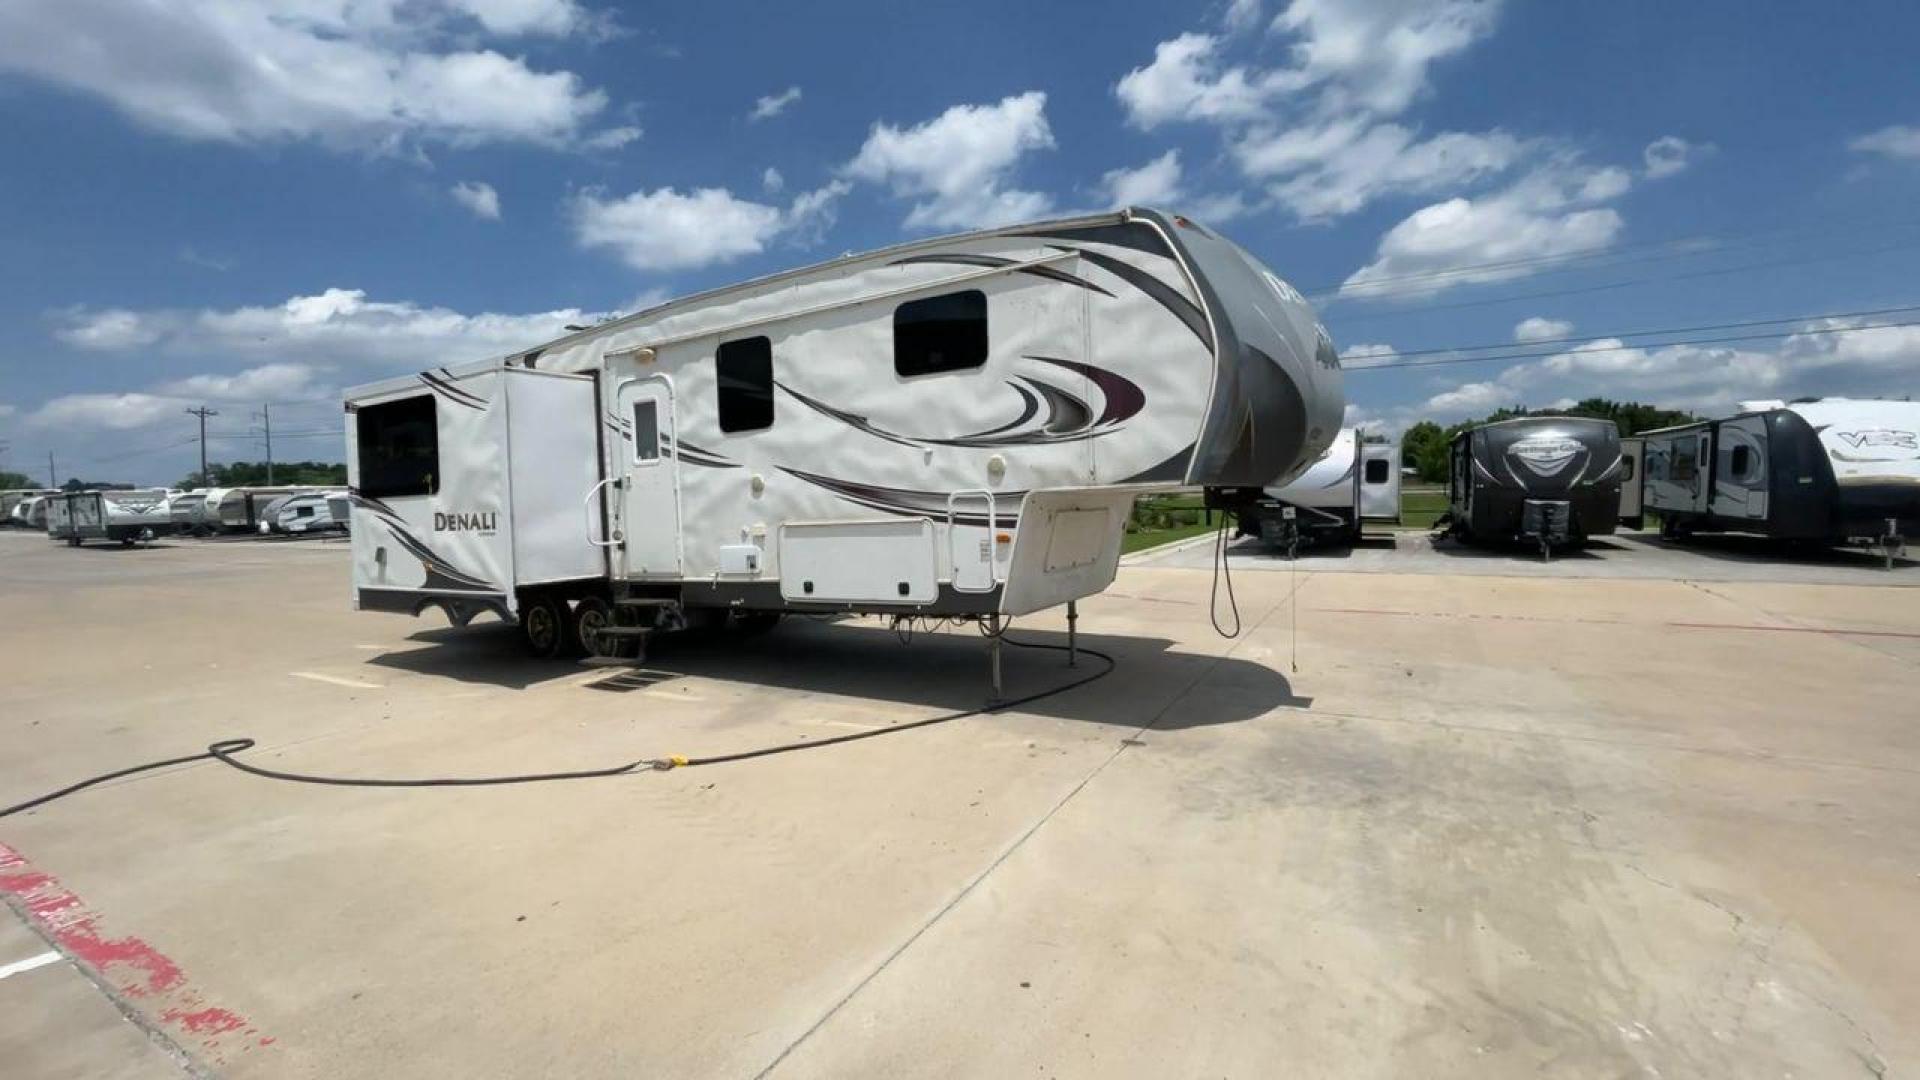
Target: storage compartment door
{"type": "Point", "coordinates": [973, 521]}
{"type": "Point", "coordinates": [859, 562]}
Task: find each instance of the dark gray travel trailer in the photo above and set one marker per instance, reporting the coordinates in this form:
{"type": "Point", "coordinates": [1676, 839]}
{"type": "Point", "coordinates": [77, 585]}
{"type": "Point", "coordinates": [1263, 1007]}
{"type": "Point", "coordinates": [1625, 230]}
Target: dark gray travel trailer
{"type": "Point", "coordinates": [1548, 480]}
{"type": "Point", "coordinates": [1829, 470]}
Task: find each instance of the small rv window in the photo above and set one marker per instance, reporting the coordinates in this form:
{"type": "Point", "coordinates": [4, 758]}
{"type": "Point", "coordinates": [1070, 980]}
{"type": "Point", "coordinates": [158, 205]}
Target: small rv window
{"type": "Point", "coordinates": [1626, 468]}
{"type": "Point", "coordinates": [1377, 470]}
{"type": "Point", "coordinates": [1682, 469]}
{"type": "Point", "coordinates": [1742, 458]}
{"type": "Point", "coordinates": [646, 430]}
{"type": "Point", "coordinates": [940, 333]}
{"type": "Point", "coordinates": [744, 370]}
{"type": "Point", "coordinates": [303, 511]}
{"type": "Point", "coordinates": [399, 448]}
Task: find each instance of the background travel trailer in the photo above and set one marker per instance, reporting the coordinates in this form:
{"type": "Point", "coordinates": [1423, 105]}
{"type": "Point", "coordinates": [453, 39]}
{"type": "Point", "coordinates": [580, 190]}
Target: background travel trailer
{"type": "Point", "coordinates": [311, 512]}
{"type": "Point", "coordinates": [1830, 470]}
{"type": "Point", "coordinates": [1546, 480]}
{"type": "Point", "coordinates": [1353, 483]}
{"type": "Point", "coordinates": [125, 516]}
{"type": "Point", "coordinates": [954, 427]}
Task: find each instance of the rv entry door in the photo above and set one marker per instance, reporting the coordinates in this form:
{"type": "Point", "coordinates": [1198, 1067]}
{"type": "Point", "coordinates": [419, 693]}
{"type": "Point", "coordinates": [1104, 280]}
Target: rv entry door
{"type": "Point", "coordinates": [649, 502]}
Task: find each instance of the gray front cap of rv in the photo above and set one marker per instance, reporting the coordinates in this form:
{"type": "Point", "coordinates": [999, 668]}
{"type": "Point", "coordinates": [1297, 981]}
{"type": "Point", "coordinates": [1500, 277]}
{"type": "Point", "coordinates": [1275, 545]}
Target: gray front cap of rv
{"type": "Point", "coordinates": [1278, 397]}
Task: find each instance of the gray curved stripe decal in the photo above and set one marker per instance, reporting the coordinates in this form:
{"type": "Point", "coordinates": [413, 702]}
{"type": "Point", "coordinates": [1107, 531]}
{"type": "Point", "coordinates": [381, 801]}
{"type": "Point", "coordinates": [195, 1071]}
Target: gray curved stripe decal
{"type": "Point", "coordinates": [906, 502]}
{"type": "Point", "coordinates": [1068, 418]}
{"type": "Point", "coordinates": [970, 259]}
{"type": "Point", "coordinates": [1166, 295]}
{"type": "Point", "coordinates": [1133, 234]}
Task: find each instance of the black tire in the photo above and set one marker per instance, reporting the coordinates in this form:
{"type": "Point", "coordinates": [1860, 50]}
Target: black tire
{"type": "Point", "coordinates": [544, 626]}
{"type": "Point", "coordinates": [590, 616]}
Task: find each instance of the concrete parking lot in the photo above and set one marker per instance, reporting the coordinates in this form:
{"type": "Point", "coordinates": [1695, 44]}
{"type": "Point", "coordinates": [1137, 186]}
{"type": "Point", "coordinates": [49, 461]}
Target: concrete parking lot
{"type": "Point", "coordinates": [1511, 819]}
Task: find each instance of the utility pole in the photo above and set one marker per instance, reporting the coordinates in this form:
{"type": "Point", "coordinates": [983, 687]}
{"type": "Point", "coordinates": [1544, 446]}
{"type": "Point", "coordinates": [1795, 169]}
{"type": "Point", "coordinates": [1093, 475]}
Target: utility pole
{"type": "Point", "coordinates": [266, 420]}
{"type": "Point", "coordinates": [51, 483]}
{"type": "Point", "coordinates": [203, 412]}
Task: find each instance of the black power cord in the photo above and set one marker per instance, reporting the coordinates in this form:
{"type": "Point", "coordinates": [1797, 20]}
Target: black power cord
{"type": "Point", "coordinates": [225, 750]}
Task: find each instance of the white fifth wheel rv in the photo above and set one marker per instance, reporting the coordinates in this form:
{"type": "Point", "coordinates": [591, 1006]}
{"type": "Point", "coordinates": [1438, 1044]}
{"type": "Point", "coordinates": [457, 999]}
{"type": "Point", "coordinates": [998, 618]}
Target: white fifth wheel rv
{"type": "Point", "coordinates": [1826, 470]}
{"type": "Point", "coordinates": [956, 427]}
{"type": "Point", "coordinates": [127, 516]}
{"type": "Point", "coordinates": [1353, 483]}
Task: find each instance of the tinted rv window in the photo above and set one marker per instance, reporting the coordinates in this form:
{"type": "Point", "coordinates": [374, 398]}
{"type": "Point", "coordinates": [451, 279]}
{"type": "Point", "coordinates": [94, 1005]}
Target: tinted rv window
{"type": "Point", "coordinates": [646, 430]}
{"type": "Point", "coordinates": [1626, 468]}
{"type": "Point", "coordinates": [399, 445]}
{"type": "Point", "coordinates": [1742, 457]}
{"type": "Point", "coordinates": [940, 333]}
{"type": "Point", "coordinates": [744, 370]}
{"type": "Point", "coordinates": [1377, 471]}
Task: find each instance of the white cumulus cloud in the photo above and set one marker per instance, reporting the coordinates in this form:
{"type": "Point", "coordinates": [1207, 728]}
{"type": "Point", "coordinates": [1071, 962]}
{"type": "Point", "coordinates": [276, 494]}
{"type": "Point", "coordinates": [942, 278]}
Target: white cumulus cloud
{"type": "Point", "coordinates": [667, 230]}
{"type": "Point", "coordinates": [1539, 328]}
{"type": "Point", "coordinates": [478, 197]}
{"type": "Point", "coordinates": [1157, 183]}
{"type": "Point", "coordinates": [1318, 131]}
{"type": "Point", "coordinates": [333, 326]}
{"type": "Point", "coordinates": [958, 164]}
{"type": "Point", "coordinates": [1894, 141]}
{"type": "Point", "coordinates": [773, 105]}
{"type": "Point", "coordinates": [365, 74]}
{"type": "Point", "coordinates": [1670, 154]}
{"type": "Point", "coordinates": [1556, 210]}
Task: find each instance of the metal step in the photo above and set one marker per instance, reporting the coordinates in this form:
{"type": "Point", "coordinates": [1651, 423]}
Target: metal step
{"type": "Point", "coordinates": [646, 602]}
{"type": "Point", "coordinates": [623, 631]}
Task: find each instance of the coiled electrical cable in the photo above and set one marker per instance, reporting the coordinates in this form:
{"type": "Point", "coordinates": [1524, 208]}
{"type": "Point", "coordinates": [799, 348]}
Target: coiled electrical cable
{"type": "Point", "coordinates": [226, 751]}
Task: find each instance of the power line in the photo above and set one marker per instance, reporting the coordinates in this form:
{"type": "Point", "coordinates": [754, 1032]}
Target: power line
{"type": "Point", "coordinates": [1717, 272]}
{"type": "Point", "coordinates": [1700, 329]}
{"type": "Point", "coordinates": [1702, 244]}
{"type": "Point", "coordinates": [1632, 348]}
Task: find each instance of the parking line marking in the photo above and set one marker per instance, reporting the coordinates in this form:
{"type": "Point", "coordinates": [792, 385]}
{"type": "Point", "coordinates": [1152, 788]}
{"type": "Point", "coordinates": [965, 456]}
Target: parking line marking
{"type": "Point", "coordinates": [8, 971]}
{"type": "Point", "coordinates": [336, 680]}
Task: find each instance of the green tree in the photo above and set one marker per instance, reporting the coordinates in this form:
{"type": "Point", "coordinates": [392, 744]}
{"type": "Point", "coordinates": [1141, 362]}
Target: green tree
{"type": "Point", "coordinates": [254, 474]}
{"type": "Point", "coordinates": [9, 480]}
{"type": "Point", "coordinates": [1423, 447]}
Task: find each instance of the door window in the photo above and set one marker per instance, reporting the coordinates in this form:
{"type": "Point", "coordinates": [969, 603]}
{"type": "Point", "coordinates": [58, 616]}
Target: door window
{"type": "Point", "coordinates": [1377, 471]}
{"type": "Point", "coordinates": [646, 431]}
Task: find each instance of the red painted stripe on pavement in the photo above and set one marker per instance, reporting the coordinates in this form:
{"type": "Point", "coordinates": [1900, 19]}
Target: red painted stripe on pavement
{"type": "Point", "coordinates": [128, 964]}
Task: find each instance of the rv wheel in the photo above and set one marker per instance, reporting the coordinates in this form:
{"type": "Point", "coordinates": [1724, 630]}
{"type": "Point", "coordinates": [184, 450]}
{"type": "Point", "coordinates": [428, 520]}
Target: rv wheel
{"type": "Point", "coordinates": [543, 626]}
{"type": "Point", "coordinates": [590, 616]}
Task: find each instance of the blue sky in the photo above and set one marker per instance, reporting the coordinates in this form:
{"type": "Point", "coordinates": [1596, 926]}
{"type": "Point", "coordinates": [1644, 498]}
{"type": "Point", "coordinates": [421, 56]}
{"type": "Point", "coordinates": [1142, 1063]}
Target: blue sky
{"type": "Point", "coordinates": [231, 203]}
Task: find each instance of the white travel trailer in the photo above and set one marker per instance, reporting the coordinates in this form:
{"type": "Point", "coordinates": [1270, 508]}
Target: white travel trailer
{"type": "Point", "coordinates": [128, 516]}
{"type": "Point", "coordinates": [1826, 470]}
{"type": "Point", "coordinates": [312, 512]}
{"type": "Point", "coordinates": [13, 497]}
{"type": "Point", "coordinates": [1353, 483]}
{"type": "Point", "coordinates": [955, 427]}
{"type": "Point", "coordinates": [243, 509]}
{"type": "Point", "coordinates": [188, 509]}
{"type": "Point", "coordinates": [30, 513]}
